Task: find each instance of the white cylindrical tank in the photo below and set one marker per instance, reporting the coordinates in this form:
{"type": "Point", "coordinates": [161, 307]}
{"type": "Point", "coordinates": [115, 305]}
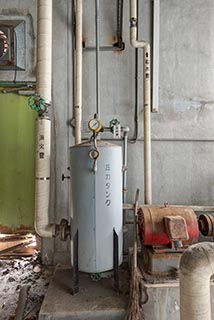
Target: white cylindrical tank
{"type": "Point", "coordinates": [97, 204]}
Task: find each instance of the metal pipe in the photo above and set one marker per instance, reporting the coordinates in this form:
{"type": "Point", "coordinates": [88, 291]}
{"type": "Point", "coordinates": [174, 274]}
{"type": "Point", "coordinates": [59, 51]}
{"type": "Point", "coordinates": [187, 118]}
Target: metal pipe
{"type": "Point", "coordinates": [196, 268]}
{"type": "Point", "coordinates": [22, 303]}
{"type": "Point", "coordinates": [120, 23]}
{"type": "Point", "coordinates": [155, 64]}
{"type": "Point", "coordinates": [147, 127]}
{"type": "Point", "coordinates": [43, 128]}
{"type": "Point", "coordinates": [134, 139]}
{"type": "Point", "coordinates": [129, 206]}
{"type": "Point", "coordinates": [147, 100]}
{"type": "Point", "coordinates": [97, 22]}
{"type": "Point", "coordinates": [78, 93]}
{"type": "Point", "coordinates": [125, 153]}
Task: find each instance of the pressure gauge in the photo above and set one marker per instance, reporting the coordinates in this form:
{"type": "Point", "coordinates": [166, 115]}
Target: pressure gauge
{"type": "Point", "coordinates": [94, 125]}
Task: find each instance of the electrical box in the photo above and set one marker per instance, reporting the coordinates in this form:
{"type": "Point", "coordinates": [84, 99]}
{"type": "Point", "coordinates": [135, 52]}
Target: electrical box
{"type": "Point", "coordinates": [12, 45]}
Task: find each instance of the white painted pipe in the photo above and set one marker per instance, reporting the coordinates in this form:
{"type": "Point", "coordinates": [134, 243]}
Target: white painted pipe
{"type": "Point", "coordinates": [78, 77]}
{"type": "Point", "coordinates": [147, 127]}
{"type": "Point", "coordinates": [196, 268]}
{"type": "Point", "coordinates": [155, 63]}
{"type": "Point", "coordinates": [43, 128]}
{"type": "Point", "coordinates": [147, 100]}
{"type": "Point", "coordinates": [44, 49]}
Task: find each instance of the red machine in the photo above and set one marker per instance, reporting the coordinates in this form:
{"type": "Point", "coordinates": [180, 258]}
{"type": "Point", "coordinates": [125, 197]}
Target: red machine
{"type": "Point", "coordinates": [167, 227]}
{"type": "Point", "coordinates": [165, 232]}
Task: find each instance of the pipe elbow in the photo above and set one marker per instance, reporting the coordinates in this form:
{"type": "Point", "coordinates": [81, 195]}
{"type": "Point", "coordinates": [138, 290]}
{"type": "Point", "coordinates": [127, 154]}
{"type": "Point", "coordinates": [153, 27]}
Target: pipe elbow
{"type": "Point", "coordinates": [196, 268]}
{"type": "Point", "coordinates": [133, 39]}
{"type": "Point", "coordinates": [137, 44]}
{"type": "Point", "coordinates": [197, 258]}
{"type": "Point", "coordinates": [45, 231]}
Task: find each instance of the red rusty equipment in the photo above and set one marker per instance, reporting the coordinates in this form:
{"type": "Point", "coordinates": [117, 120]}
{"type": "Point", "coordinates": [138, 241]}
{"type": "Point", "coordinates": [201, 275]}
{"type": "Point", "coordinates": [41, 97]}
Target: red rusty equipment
{"type": "Point", "coordinates": [164, 226]}
{"type": "Point", "coordinates": [206, 225]}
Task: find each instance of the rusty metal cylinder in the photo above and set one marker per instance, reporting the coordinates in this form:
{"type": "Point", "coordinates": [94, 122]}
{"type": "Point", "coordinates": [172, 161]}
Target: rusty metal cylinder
{"type": "Point", "coordinates": [206, 225]}
{"type": "Point", "coordinates": [152, 227]}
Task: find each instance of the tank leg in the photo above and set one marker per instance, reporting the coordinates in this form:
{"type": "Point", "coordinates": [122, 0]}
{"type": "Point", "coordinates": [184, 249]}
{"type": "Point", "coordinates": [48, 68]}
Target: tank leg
{"type": "Point", "coordinates": [116, 261]}
{"type": "Point", "coordinates": [75, 264]}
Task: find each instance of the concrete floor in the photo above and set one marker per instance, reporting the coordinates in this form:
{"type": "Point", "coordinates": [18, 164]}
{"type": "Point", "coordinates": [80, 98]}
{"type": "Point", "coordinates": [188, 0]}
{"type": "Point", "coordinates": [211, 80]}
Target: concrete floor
{"type": "Point", "coordinates": [96, 300]}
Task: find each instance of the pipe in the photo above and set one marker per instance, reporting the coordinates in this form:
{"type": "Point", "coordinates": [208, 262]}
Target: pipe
{"type": "Point", "coordinates": [43, 127]}
{"type": "Point", "coordinates": [147, 100]}
{"type": "Point", "coordinates": [147, 127]}
{"type": "Point", "coordinates": [155, 65]}
{"type": "Point", "coordinates": [129, 206]}
{"type": "Point", "coordinates": [78, 95]}
{"type": "Point", "coordinates": [134, 139]}
{"type": "Point", "coordinates": [22, 303]}
{"type": "Point", "coordinates": [196, 268]}
{"type": "Point", "coordinates": [125, 152]}
{"type": "Point", "coordinates": [97, 58]}
{"type": "Point", "coordinates": [120, 23]}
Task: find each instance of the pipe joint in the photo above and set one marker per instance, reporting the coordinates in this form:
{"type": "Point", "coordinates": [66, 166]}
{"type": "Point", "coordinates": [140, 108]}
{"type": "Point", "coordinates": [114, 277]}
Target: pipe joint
{"type": "Point", "coordinates": [63, 230]}
{"type": "Point", "coordinates": [133, 22]}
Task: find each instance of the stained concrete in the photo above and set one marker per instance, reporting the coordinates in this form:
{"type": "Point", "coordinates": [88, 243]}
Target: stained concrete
{"type": "Point", "coordinates": [95, 300]}
{"type": "Point", "coordinates": [164, 302]}
{"type": "Point", "coordinates": [98, 300]}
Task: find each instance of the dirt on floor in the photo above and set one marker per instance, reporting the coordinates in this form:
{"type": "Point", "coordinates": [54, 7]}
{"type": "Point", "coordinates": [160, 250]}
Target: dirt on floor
{"type": "Point", "coordinates": [18, 272]}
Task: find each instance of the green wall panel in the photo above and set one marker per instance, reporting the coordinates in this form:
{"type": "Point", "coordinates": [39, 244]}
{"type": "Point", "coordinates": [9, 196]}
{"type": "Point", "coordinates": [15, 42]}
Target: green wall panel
{"type": "Point", "coordinates": [17, 144]}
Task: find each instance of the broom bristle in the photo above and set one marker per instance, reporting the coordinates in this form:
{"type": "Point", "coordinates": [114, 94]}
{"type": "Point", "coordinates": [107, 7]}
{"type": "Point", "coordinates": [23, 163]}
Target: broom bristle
{"type": "Point", "coordinates": [134, 310]}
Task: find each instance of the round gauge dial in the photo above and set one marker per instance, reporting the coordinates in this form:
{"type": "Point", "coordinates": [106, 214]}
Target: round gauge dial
{"type": "Point", "coordinates": [94, 125]}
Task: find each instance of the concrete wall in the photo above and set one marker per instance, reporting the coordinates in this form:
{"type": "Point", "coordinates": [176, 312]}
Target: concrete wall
{"type": "Point", "coordinates": [182, 146]}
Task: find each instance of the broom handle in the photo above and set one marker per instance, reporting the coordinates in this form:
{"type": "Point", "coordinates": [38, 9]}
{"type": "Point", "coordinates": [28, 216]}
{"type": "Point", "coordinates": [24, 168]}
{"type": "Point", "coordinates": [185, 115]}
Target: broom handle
{"type": "Point", "coordinates": [135, 229]}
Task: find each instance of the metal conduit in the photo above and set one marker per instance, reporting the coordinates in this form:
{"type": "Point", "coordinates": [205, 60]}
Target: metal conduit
{"type": "Point", "coordinates": [119, 23]}
{"type": "Point", "coordinates": [97, 23]}
{"type": "Point", "coordinates": [78, 80]}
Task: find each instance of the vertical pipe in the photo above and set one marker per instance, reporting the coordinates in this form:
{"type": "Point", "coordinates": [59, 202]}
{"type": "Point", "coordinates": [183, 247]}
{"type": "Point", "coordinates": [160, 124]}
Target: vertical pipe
{"type": "Point", "coordinates": [147, 100]}
{"type": "Point", "coordinates": [125, 153]}
{"type": "Point", "coordinates": [44, 49]}
{"type": "Point", "coordinates": [147, 126]}
{"type": "Point", "coordinates": [78, 95]}
{"type": "Point", "coordinates": [119, 23]}
{"type": "Point", "coordinates": [43, 127]}
{"type": "Point", "coordinates": [97, 22]}
{"type": "Point", "coordinates": [156, 43]}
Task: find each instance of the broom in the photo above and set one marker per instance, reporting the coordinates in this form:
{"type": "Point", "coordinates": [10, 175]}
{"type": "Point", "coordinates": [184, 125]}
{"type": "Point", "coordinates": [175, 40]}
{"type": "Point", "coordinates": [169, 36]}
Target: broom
{"type": "Point", "coordinates": [134, 309]}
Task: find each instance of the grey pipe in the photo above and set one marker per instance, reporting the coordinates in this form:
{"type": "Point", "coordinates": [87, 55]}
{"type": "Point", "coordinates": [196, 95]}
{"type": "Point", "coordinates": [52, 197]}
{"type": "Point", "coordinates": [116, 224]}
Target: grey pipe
{"type": "Point", "coordinates": [97, 22]}
{"type": "Point", "coordinates": [22, 303]}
